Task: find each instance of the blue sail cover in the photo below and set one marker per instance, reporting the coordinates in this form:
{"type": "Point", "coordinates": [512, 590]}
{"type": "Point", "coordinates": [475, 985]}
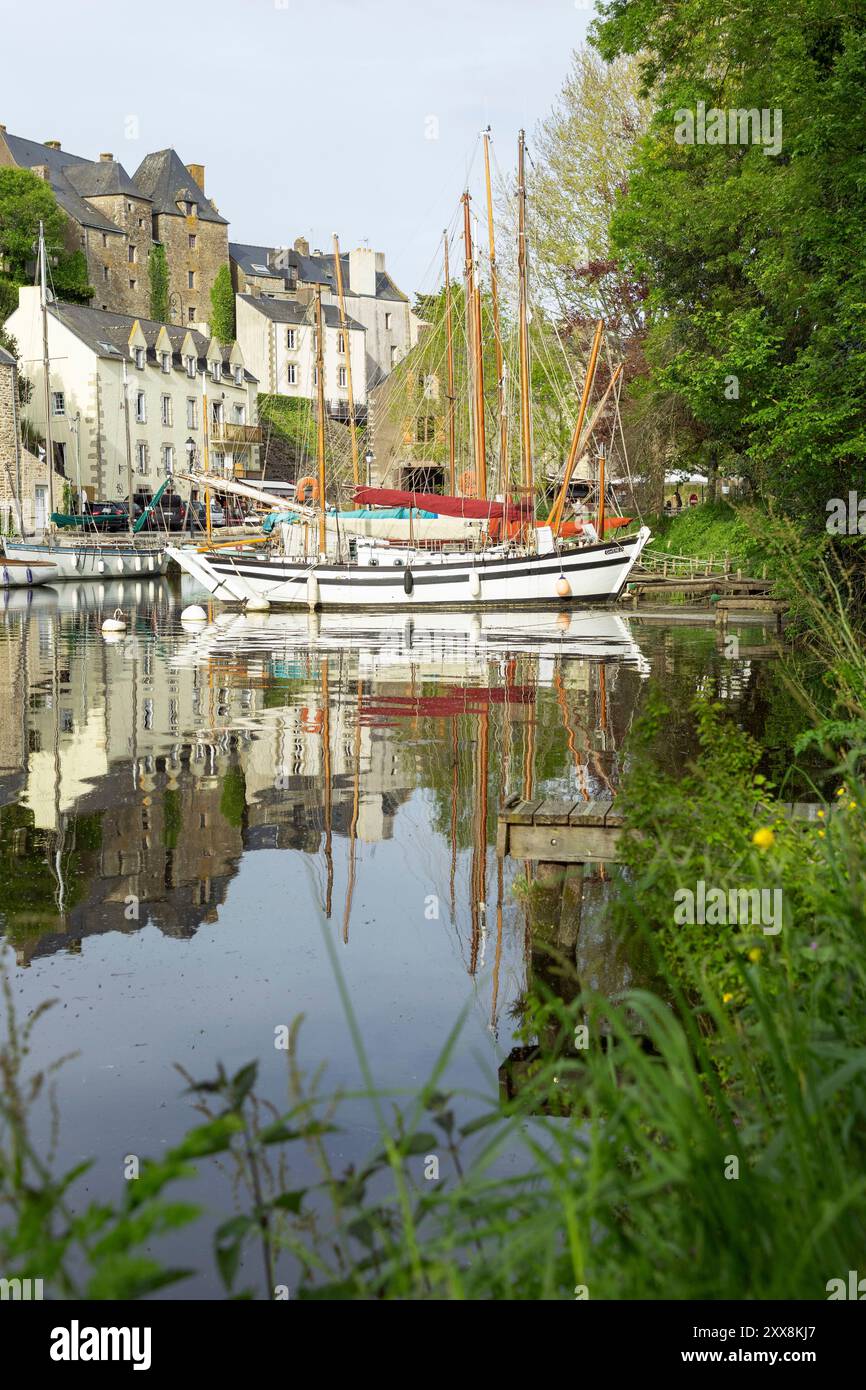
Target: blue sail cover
{"type": "Point", "coordinates": [360, 514]}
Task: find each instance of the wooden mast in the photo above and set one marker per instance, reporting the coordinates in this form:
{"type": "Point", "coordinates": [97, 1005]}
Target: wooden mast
{"type": "Point", "coordinates": [128, 446]}
{"type": "Point", "coordinates": [523, 328]}
{"type": "Point", "coordinates": [356, 476]}
{"type": "Point", "coordinates": [449, 329]}
{"type": "Point", "coordinates": [497, 330]}
{"type": "Point", "coordinates": [473, 311]}
{"type": "Point", "coordinates": [46, 372]}
{"type": "Point", "coordinates": [320, 431]}
{"type": "Point", "coordinates": [555, 518]}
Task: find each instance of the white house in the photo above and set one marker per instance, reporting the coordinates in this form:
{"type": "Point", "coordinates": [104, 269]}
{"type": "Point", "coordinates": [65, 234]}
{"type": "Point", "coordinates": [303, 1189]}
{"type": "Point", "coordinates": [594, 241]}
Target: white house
{"type": "Point", "coordinates": [278, 341]}
{"type": "Point", "coordinates": [371, 296]}
{"type": "Point", "coordinates": [166, 374]}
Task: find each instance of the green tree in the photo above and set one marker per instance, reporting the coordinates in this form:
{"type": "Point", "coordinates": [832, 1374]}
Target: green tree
{"type": "Point", "coordinates": [753, 248]}
{"type": "Point", "coordinates": [222, 298]}
{"type": "Point", "coordinates": [25, 201]}
{"type": "Point", "coordinates": [157, 274]}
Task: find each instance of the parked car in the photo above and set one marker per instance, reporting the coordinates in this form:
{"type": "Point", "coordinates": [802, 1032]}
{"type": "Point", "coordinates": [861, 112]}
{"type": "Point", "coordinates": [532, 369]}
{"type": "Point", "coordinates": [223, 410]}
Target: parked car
{"type": "Point", "coordinates": [110, 516]}
{"type": "Point", "coordinates": [217, 515]}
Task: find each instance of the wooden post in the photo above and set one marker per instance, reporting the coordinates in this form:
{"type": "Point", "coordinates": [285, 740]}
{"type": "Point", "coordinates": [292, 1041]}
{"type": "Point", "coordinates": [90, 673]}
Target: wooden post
{"type": "Point", "coordinates": [320, 432]}
{"type": "Point", "coordinates": [523, 329]}
{"type": "Point", "coordinates": [473, 312]}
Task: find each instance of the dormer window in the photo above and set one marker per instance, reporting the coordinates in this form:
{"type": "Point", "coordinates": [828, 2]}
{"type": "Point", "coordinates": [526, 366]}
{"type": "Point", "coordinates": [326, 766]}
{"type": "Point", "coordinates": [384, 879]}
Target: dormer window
{"type": "Point", "coordinates": [216, 368]}
{"type": "Point", "coordinates": [239, 376]}
{"type": "Point", "coordinates": [166, 361]}
{"type": "Point", "coordinates": [190, 366]}
{"type": "Point", "coordinates": [140, 358]}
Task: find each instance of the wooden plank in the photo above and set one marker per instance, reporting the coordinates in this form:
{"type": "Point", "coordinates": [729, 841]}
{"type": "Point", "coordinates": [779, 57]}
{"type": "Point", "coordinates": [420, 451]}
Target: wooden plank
{"type": "Point", "coordinates": [552, 812]}
{"type": "Point", "coordinates": [590, 812]}
{"type": "Point", "coordinates": [593, 844]}
{"type": "Point", "coordinates": [523, 812]}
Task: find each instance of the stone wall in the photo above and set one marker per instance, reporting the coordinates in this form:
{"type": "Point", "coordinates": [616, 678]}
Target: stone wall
{"type": "Point", "coordinates": [204, 259]}
{"type": "Point", "coordinates": [127, 289]}
{"type": "Point", "coordinates": [33, 471]}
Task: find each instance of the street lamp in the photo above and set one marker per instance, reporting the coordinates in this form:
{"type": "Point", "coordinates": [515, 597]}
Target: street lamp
{"type": "Point", "coordinates": [190, 458]}
{"type": "Point", "coordinates": [368, 460]}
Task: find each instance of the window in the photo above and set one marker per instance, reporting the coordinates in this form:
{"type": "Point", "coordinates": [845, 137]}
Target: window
{"type": "Point", "coordinates": [190, 279]}
{"type": "Point", "coordinates": [216, 368]}
{"type": "Point", "coordinates": [58, 403]}
{"type": "Point", "coordinates": [341, 376]}
{"type": "Point", "coordinates": [341, 342]}
{"type": "Point", "coordinates": [131, 253]}
{"type": "Point", "coordinates": [165, 359]}
{"type": "Point", "coordinates": [292, 374]}
{"type": "Point", "coordinates": [141, 452]}
{"type": "Point", "coordinates": [140, 358]}
{"type": "Point", "coordinates": [132, 284]}
{"type": "Point", "coordinates": [105, 272]}
{"type": "Point", "coordinates": [239, 375]}
{"type": "Point", "coordinates": [192, 241]}
{"type": "Point", "coordinates": [140, 407]}
{"type": "Point", "coordinates": [141, 221]}
{"type": "Point", "coordinates": [216, 412]}
{"type": "Point", "coordinates": [190, 366]}
{"type": "Point", "coordinates": [393, 357]}
{"type": "Point", "coordinates": [190, 314]}
{"type": "Point", "coordinates": [291, 339]}
{"type": "Point", "coordinates": [105, 238]}
{"type": "Point", "coordinates": [191, 413]}
{"type": "Point", "coordinates": [240, 415]}
{"type": "Point", "coordinates": [166, 412]}
{"type": "Point", "coordinates": [387, 320]}
{"type": "Point", "coordinates": [168, 459]}
{"type": "Point", "coordinates": [315, 376]}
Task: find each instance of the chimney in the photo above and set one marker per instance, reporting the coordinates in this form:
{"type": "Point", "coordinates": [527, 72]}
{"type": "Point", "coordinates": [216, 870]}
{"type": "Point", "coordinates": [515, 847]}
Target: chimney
{"type": "Point", "coordinates": [2, 128]}
{"type": "Point", "coordinates": [302, 246]}
{"type": "Point", "coordinates": [52, 144]}
{"type": "Point", "coordinates": [196, 172]}
{"type": "Point", "coordinates": [107, 158]}
{"type": "Point", "coordinates": [41, 172]}
{"type": "Point", "coordinates": [362, 271]}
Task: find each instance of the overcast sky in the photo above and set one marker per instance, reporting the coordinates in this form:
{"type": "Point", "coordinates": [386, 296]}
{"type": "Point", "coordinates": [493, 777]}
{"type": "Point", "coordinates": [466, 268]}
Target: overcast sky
{"type": "Point", "coordinates": [311, 116]}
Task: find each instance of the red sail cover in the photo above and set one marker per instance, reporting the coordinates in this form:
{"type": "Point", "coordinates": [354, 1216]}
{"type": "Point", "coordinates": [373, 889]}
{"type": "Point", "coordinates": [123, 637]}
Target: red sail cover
{"type": "Point", "coordinates": [472, 508]}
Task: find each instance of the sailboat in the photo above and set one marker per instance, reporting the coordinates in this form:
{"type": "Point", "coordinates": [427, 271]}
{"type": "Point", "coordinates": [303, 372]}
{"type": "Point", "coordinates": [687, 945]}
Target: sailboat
{"type": "Point", "coordinates": [71, 546]}
{"type": "Point", "coordinates": [514, 561]}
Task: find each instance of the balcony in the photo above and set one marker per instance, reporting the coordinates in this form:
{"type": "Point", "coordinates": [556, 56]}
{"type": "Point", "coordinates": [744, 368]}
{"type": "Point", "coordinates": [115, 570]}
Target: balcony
{"type": "Point", "coordinates": [236, 435]}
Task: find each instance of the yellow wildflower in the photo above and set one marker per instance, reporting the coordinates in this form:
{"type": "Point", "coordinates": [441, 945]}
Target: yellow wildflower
{"type": "Point", "coordinates": [764, 837]}
{"type": "Point", "coordinates": [726, 998]}
{"type": "Point", "coordinates": [755, 954]}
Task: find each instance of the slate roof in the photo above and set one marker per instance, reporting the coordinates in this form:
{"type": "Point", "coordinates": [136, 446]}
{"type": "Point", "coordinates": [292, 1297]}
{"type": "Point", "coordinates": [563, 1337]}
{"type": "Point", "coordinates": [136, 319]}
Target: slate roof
{"type": "Point", "coordinates": [102, 178]}
{"type": "Point", "coordinates": [385, 287]}
{"type": "Point", "coordinates": [164, 178]}
{"type": "Point", "coordinates": [290, 311]}
{"type": "Point", "coordinates": [6, 358]}
{"type": "Point", "coordinates": [107, 334]}
{"type": "Point", "coordinates": [29, 153]}
{"type": "Point", "coordinates": [306, 267]}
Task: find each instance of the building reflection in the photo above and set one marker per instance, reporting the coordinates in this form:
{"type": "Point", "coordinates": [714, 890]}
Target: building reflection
{"type": "Point", "coordinates": [136, 773]}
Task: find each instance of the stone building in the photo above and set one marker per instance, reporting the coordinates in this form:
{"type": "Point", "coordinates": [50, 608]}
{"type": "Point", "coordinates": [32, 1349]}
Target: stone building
{"type": "Point", "coordinates": [165, 372]}
{"type": "Point", "coordinates": [115, 220]}
{"type": "Point", "coordinates": [371, 297]}
{"type": "Point", "coordinates": [188, 225]}
{"type": "Point", "coordinates": [23, 476]}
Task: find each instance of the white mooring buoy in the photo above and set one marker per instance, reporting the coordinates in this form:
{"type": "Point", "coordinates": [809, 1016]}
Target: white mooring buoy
{"type": "Point", "coordinates": [115, 624]}
{"type": "Point", "coordinates": [257, 604]}
{"type": "Point", "coordinates": [193, 613]}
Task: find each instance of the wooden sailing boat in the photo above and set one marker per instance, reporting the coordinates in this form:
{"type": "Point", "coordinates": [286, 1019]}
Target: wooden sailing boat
{"type": "Point", "coordinates": [514, 562]}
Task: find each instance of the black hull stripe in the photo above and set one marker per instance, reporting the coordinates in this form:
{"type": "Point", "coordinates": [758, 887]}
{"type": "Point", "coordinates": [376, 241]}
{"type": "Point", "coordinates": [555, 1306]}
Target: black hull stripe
{"type": "Point", "coordinates": [395, 579]}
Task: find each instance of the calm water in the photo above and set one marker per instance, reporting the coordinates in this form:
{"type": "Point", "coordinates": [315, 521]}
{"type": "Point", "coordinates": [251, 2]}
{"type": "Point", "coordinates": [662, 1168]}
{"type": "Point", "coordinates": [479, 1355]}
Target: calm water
{"type": "Point", "coordinates": [188, 815]}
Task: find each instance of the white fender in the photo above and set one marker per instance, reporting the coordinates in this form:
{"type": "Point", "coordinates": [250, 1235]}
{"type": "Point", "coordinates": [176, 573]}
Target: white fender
{"type": "Point", "coordinates": [474, 584]}
{"type": "Point", "coordinates": [312, 591]}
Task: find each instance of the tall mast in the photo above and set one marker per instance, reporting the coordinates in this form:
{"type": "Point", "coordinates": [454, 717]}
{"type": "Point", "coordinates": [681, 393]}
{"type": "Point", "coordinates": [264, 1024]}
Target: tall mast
{"type": "Point", "coordinates": [555, 517]}
{"type": "Point", "coordinates": [46, 372]}
{"type": "Point", "coordinates": [473, 310]}
{"type": "Point", "coordinates": [449, 329]}
{"type": "Point", "coordinates": [523, 327]}
{"type": "Point", "coordinates": [497, 331]}
{"type": "Point", "coordinates": [128, 446]}
{"type": "Point", "coordinates": [205, 424]}
{"type": "Point", "coordinates": [356, 477]}
{"type": "Point", "coordinates": [320, 432]}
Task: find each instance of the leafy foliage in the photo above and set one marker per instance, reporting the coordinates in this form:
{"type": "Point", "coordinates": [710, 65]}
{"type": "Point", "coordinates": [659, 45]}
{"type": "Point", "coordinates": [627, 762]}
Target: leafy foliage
{"type": "Point", "coordinates": [222, 298]}
{"type": "Point", "coordinates": [25, 201]}
{"type": "Point", "coordinates": [157, 274]}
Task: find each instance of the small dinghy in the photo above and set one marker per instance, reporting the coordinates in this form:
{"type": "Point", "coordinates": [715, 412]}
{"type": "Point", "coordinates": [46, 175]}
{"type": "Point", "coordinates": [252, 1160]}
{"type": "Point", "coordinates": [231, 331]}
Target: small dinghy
{"type": "Point", "coordinates": [23, 574]}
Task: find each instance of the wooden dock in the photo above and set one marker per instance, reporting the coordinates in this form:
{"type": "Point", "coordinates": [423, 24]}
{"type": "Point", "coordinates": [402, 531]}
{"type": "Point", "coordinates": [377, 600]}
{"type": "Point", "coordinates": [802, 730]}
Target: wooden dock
{"type": "Point", "coordinates": [587, 832]}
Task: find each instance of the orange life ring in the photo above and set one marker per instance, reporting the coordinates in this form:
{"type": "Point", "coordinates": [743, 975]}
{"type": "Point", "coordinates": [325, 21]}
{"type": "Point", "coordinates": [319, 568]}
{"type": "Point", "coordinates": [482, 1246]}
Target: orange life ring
{"type": "Point", "coordinates": [468, 484]}
{"type": "Point", "coordinates": [312, 725]}
{"type": "Point", "coordinates": [301, 489]}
